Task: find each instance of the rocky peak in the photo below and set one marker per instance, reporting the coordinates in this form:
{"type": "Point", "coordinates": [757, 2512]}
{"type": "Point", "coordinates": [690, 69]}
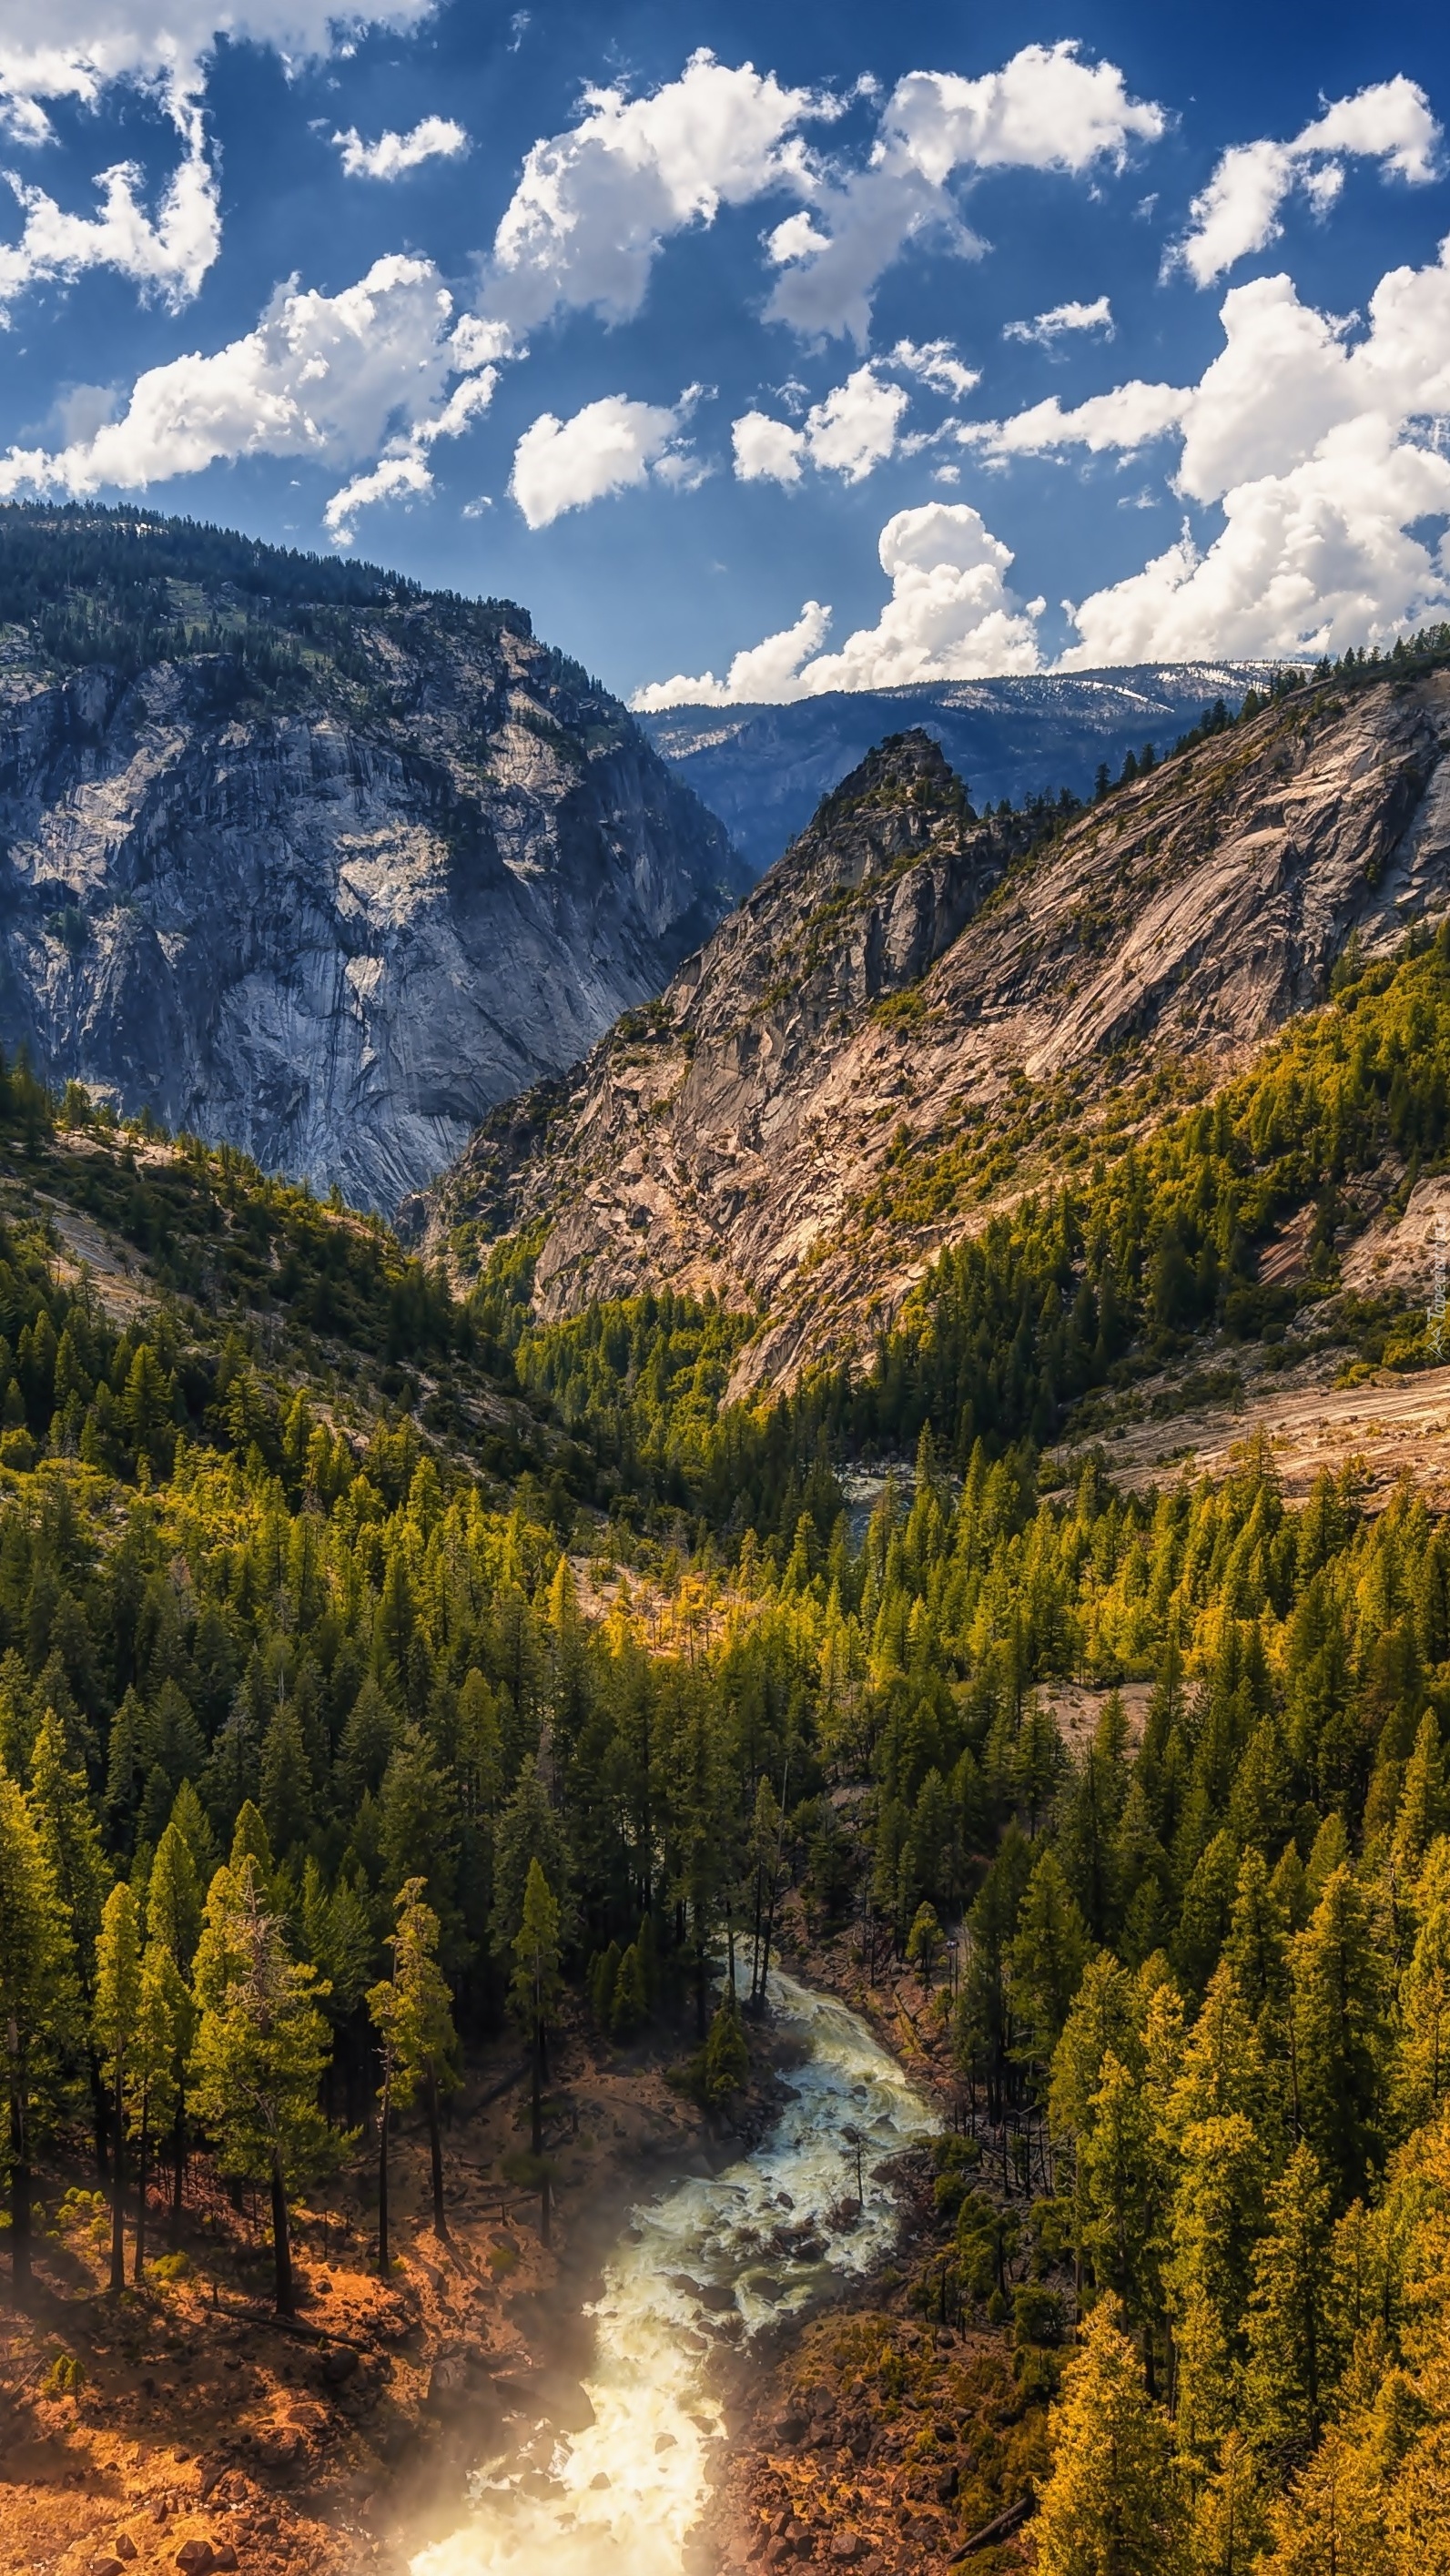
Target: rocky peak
{"type": "Point", "coordinates": [915, 1008]}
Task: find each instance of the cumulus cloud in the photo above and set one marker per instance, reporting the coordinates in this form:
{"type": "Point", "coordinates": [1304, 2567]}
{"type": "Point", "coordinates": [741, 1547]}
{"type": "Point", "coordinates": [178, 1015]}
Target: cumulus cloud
{"type": "Point", "coordinates": [1238, 212]}
{"type": "Point", "coordinates": [167, 257]}
{"type": "Point", "coordinates": [1122, 420]}
{"type": "Point", "coordinates": [766, 450]}
{"type": "Point", "coordinates": [1044, 110]}
{"type": "Point", "coordinates": [328, 377]}
{"type": "Point", "coordinates": [854, 429]}
{"type": "Point", "coordinates": [594, 205]}
{"type": "Point", "coordinates": [765, 673]}
{"type": "Point", "coordinates": [1050, 326]}
{"type": "Point", "coordinates": [562, 465]}
{"type": "Point", "coordinates": [950, 616]}
{"type": "Point", "coordinates": [434, 138]}
{"type": "Point", "coordinates": [78, 48]}
{"type": "Point", "coordinates": [1320, 445]}
{"type": "Point", "coordinates": [937, 364]}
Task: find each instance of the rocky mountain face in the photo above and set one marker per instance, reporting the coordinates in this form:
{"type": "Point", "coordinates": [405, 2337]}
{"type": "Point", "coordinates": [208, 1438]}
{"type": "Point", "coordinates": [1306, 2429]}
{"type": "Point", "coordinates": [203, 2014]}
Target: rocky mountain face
{"type": "Point", "coordinates": [764, 769]}
{"type": "Point", "coordinates": [321, 879]}
{"type": "Point", "coordinates": [813, 1109]}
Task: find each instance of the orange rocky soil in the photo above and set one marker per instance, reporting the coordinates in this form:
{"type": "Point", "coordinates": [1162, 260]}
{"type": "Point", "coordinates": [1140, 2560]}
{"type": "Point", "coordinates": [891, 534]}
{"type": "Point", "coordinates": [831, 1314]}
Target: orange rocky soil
{"type": "Point", "coordinates": [184, 2427]}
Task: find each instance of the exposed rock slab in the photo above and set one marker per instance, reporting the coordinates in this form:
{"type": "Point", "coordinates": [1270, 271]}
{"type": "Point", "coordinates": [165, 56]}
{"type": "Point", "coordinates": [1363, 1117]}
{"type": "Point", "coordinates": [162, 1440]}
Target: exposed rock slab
{"type": "Point", "coordinates": [333, 924]}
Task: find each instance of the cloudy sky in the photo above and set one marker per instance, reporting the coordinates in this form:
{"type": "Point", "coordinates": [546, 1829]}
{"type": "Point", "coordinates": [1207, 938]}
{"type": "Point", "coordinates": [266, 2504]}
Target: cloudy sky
{"type": "Point", "coordinates": [758, 350]}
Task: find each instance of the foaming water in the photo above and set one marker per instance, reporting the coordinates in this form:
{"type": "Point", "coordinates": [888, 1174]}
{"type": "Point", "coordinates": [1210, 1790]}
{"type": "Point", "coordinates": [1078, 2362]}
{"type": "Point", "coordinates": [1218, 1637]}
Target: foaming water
{"type": "Point", "coordinates": [706, 2260]}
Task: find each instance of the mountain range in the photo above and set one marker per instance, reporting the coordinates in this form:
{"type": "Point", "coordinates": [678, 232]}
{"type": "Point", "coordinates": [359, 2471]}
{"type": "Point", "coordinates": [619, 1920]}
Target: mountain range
{"type": "Point", "coordinates": [764, 769]}
{"type": "Point", "coordinates": [914, 1017]}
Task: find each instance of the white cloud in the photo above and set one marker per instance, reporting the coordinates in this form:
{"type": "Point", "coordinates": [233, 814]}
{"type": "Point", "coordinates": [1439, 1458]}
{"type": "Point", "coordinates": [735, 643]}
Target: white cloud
{"type": "Point", "coordinates": [78, 48]}
{"type": "Point", "coordinates": [434, 138]}
{"type": "Point", "coordinates": [855, 428]}
{"type": "Point", "coordinates": [1124, 419]}
{"type": "Point", "coordinates": [851, 432]}
{"type": "Point", "coordinates": [766, 450]}
{"type": "Point", "coordinates": [950, 617]}
{"type": "Point", "coordinates": [1238, 212]}
{"type": "Point", "coordinates": [594, 205]}
{"type": "Point", "coordinates": [331, 377]}
{"type": "Point", "coordinates": [1044, 110]}
{"type": "Point", "coordinates": [1323, 451]}
{"type": "Point", "coordinates": [1050, 326]}
{"type": "Point", "coordinates": [766, 672]}
{"type": "Point", "coordinates": [1310, 560]}
{"type": "Point", "coordinates": [937, 364]}
{"type": "Point", "coordinates": [562, 465]}
{"type": "Point", "coordinates": [168, 257]}
{"type": "Point", "coordinates": [403, 471]}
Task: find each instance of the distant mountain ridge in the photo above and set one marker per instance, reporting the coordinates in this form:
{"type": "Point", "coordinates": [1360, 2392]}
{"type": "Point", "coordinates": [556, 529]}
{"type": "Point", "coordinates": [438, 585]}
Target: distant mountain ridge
{"type": "Point", "coordinates": [764, 769]}
{"type": "Point", "coordinates": [308, 860]}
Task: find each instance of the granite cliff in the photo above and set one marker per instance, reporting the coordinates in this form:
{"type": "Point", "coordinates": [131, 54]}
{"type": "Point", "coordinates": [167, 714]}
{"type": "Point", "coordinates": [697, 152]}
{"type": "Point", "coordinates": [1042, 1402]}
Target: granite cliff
{"type": "Point", "coordinates": [311, 862]}
{"type": "Point", "coordinates": [910, 1016]}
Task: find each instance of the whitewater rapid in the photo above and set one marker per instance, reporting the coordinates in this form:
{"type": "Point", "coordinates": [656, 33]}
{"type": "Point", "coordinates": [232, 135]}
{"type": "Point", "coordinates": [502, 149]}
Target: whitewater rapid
{"type": "Point", "coordinates": [621, 2498]}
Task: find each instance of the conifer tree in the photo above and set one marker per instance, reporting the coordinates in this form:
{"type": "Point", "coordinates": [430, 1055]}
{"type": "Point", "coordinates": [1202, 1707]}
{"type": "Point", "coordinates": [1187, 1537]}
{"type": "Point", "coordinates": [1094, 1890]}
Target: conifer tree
{"type": "Point", "coordinates": [1340, 2035]}
{"type": "Point", "coordinates": [156, 2074]}
{"type": "Point", "coordinates": [38, 2002]}
{"type": "Point", "coordinates": [1229, 2524]}
{"type": "Point", "coordinates": [412, 2016]}
{"type": "Point", "coordinates": [61, 1804]}
{"type": "Point", "coordinates": [1218, 2217]}
{"type": "Point", "coordinates": [1332, 2522]}
{"type": "Point", "coordinates": [923, 1944]}
{"type": "Point", "coordinates": [115, 2012]}
{"type": "Point", "coordinates": [1287, 2373]}
{"type": "Point", "coordinates": [1048, 1954]}
{"type": "Point", "coordinates": [1112, 2505]}
{"type": "Point", "coordinates": [260, 2049]}
{"type": "Point", "coordinates": [534, 1994]}
{"type": "Point", "coordinates": [174, 1900]}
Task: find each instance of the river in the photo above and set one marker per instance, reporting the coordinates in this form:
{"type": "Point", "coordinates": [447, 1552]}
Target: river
{"type": "Point", "coordinates": [707, 2261]}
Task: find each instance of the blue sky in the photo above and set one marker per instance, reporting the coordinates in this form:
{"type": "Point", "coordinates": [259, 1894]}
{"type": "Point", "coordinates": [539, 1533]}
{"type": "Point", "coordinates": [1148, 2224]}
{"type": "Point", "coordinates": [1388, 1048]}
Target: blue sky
{"type": "Point", "coordinates": [758, 351]}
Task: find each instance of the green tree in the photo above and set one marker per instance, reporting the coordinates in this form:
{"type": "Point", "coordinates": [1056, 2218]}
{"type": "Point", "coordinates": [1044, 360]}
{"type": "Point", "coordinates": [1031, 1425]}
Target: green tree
{"type": "Point", "coordinates": [727, 2055]}
{"type": "Point", "coordinates": [174, 1899]}
{"type": "Point", "coordinates": [412, 2015]}
{"type": "Point", "coordinates": [71, 1839]}
{"type": "Point", "coordinates": [1287, 2373]}
{"type": "Point", "coordinates": [1047, 1957]}
{"type": "Point", "coordinates": [1112, 2504]}
{"type": "Point", "coordinates": [156, 2074]}
{"type": "Point", "coordinates": [923, 1944]}
{"type": "Point", "coordinates": [1341, 2035]}
{"type": "Point", "coordinates": [260, 2050]}
{"type": "Point", "coordinates": [115, 2013]}
{"type": "Point", "coordinates": [534, 1994]}
{"type": "Point", "coordinates": [38, 2001]}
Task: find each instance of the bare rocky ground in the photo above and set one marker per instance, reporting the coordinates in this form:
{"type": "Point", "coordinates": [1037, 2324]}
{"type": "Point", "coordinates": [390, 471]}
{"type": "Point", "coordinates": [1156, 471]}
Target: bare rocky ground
{"type": "Point", "coordinates": [1383, 1427]}
{"type": "Point", "coordinates": [184, 2427]}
